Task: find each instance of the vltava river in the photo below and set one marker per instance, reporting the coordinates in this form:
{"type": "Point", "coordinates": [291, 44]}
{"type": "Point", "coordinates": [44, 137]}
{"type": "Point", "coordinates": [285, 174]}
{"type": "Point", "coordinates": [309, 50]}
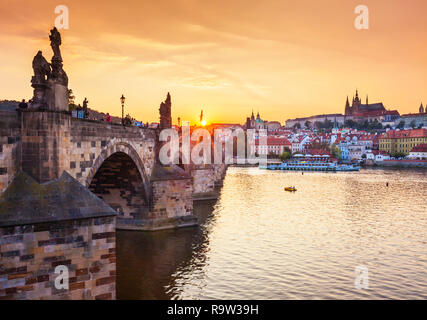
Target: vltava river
{"type": "Point", "coordinates": [260, 242]}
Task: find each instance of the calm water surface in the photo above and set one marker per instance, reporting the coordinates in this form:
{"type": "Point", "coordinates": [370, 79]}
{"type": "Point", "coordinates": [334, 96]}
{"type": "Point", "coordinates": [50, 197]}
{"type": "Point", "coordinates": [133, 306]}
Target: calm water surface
{"type": "Point", "coordinates": [260, 242]}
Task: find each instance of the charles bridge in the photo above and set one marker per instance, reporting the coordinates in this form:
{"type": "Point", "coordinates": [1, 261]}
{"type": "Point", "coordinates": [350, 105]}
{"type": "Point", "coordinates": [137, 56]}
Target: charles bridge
{"type": "Point", "coordinates": [51, 167]}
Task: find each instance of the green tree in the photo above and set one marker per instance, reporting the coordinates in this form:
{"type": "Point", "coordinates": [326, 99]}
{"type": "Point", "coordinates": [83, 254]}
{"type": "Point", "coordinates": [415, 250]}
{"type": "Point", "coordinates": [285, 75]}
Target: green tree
{"type": "Point", "coordinates": [398, 155]}
{"type": "Point", "coordinates": [285, 155]}
{"type": "Point", "coordinates": [336, 152]}
{"type": "Point", "coordinates": [401, 124]}
{"type": "Point", "coordinates": [350, 123]}
{"type": "Point", "coordinates": [71, 103]}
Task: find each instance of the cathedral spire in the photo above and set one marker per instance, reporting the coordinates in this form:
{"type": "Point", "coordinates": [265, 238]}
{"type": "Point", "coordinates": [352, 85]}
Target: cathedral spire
{"type": "Point", "coordinates": [347, 107]}
{"type": "Point", "coordinates": [367, 99]}
{"type": "Point", "coordinates": [422, 108]}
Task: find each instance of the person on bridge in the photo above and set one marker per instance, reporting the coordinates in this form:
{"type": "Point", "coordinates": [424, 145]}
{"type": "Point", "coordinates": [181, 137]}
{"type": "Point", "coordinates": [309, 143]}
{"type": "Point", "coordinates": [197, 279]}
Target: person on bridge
{"type": "Point", "coordinates": [108, 117]}
{"type": "Point", "coordinates": [23, 105]}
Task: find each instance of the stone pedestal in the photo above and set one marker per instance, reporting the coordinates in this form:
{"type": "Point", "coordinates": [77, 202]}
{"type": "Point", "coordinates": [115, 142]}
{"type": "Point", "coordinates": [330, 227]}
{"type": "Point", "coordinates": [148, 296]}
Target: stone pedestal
{"type": "Point", "coordinates": [45, 144]}
{"type": "Point", "coordinates": [39, 97]}
{"type": "Point", "coordinates": [56, 96]}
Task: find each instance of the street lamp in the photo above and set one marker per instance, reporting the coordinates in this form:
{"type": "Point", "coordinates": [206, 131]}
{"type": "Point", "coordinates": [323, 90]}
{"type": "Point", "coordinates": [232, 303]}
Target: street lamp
{"type": "Point", "coordinates": [122, 100]}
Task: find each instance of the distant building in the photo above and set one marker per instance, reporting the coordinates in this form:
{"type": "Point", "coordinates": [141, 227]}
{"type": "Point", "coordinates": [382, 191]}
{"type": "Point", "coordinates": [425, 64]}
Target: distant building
{"type": "Point", "coordinates": [402, 141]}
{"type": "Point", "coordinates": [336, 118]}
{"type": "Point", "coordinates": [359, 111]}
{"type": "Point", "coordinates": [415, 120]}
{"type": "Point", "coordinates": [419, 152]}
{"type": "Point", "coordinates": [257, 123]}
{"type": "Point", "coordinates": [274, 145]}
{"type": "Point", "coordinates": [376, 155]}
{"type": "Point", "coordinates": [273, 125]}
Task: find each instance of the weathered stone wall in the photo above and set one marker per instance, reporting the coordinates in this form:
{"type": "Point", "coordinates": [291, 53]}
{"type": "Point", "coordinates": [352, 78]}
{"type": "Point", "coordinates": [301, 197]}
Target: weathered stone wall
{"type": "Point", "coordinates": [45, 144]}
{"type": "Point", "coordinates": [172, 198]}
{"type": "Point", "coordinates": [30, 254]}
{"type": "Point", "coordinates": [10, 141]}
{"type": "Point", "coordinates": [203, 179]}
{"type": "Point", "coordinates": [219, 173]}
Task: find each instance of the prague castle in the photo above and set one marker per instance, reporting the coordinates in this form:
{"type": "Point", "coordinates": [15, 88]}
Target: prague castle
{"type": "Point", "coordinates": [358, 109]}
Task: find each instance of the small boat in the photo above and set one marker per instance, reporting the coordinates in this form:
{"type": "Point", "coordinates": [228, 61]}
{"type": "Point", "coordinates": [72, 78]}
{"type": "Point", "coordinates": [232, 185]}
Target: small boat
{"type": "Point", "coordinates": [292, 189]}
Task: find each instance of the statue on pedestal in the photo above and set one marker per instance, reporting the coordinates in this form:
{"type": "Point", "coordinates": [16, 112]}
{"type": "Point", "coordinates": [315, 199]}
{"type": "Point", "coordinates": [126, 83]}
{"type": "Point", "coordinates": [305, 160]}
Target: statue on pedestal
{"type": "Point", "coordinates": [55, 42]}
{"type": "Point", "coordinates": [42, 72]}
{"type": "Point", "coordinates": [41, 67]}
{"type": "Point", "coordinates": [165, 113]}
{"type": "Point", "coordinates": [58, 74]}
{"type": "Point", "coordinates": [50, 82]}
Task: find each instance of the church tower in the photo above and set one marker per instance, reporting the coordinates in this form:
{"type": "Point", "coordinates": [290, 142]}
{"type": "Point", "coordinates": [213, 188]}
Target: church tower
{"type": "Point", "coordinates": [356, 103]}
{"type": "Point", "coordinates": [347, 108]}
{"type": "Point", "coordinates": [422, 108]}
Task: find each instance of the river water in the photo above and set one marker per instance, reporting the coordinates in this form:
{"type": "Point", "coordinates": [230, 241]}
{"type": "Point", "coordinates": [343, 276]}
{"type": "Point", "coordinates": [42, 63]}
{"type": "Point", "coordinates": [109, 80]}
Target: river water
{"type": "Point", "coordinates": [259, 242]}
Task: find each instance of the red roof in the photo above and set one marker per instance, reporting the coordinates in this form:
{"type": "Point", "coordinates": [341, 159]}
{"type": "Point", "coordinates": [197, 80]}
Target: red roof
{"type": "Point", "coordinates": [318, 152]}
{"type": "Point", "coordinates": [275, 141]}
{"type": "Point", "coordinates": [392, 112]}
{"type": "Point", "coordinates": [414, 133]}
{"type": "Point", "coordinates": [420, 148]}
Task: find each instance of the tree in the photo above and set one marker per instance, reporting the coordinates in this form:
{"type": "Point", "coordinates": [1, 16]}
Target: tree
{"type": "Point", "coordinates": [71, 97]}
{"type": "Point", "coordinates": [398, 155]}
{"type": "Point", "coordinates": [336, 152]}
{"type": "Point", "coordinates": [308, 124]}
{"type": "Point", "coordinates": [297, 125]}
{"type": "Point", "coordinates": [401, 124]}
{"type": "Point", "coordinates": [413, 124]}
{"type": "Point", "coordinates": [285, 155]}
{"type": "Point", "coordinates": [318, 124]}
{"type": "Point", "coordinates": [350, 123]}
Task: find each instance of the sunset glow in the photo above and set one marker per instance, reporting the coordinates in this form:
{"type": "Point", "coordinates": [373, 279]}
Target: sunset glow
{"type": "Point", "coordinates": [284, 58]}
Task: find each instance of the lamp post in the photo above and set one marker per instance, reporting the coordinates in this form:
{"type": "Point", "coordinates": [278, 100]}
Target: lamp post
{"type": "Point", "coordinates": [122, 100]}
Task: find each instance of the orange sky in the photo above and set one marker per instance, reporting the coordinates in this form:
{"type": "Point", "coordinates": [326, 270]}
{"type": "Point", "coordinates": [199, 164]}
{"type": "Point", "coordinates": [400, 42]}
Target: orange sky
{"type": "Point", "coordinates": [284, 58]}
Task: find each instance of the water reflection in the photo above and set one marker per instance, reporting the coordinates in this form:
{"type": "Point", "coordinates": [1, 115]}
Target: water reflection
{"type": "Point", "coordinates": [258, 241]}
{"type": "Point", "coordinates": [146, 262]}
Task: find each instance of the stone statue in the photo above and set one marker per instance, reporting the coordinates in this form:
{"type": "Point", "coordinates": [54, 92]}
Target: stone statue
{"type": "Point", "coordinates": [50, 82]}
{"type": "Point", "coordinates": [41, 67]}
{"type": "Point", "coordinates": [55, 42]}
{"type": "Point", "coordinates": [85, 102]}
{"type": "Point", "coordinates": [165, 113]}
{"type": "Point", "coordinates": [58, 74]}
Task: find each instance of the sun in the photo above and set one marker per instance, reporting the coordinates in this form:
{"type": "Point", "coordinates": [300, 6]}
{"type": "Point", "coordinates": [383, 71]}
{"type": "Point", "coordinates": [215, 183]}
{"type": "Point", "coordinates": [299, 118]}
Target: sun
{"type": "Point", "coordinates": [204, 122]}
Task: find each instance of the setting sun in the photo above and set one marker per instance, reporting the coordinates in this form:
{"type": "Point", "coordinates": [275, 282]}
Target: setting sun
{"type": "Point", "coordinates": [204, 122]}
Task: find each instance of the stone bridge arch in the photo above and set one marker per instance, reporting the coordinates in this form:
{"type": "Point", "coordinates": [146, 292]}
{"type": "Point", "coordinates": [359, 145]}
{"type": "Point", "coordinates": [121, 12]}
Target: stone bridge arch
{"type": "Point", "coordinates": [118, 176]}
